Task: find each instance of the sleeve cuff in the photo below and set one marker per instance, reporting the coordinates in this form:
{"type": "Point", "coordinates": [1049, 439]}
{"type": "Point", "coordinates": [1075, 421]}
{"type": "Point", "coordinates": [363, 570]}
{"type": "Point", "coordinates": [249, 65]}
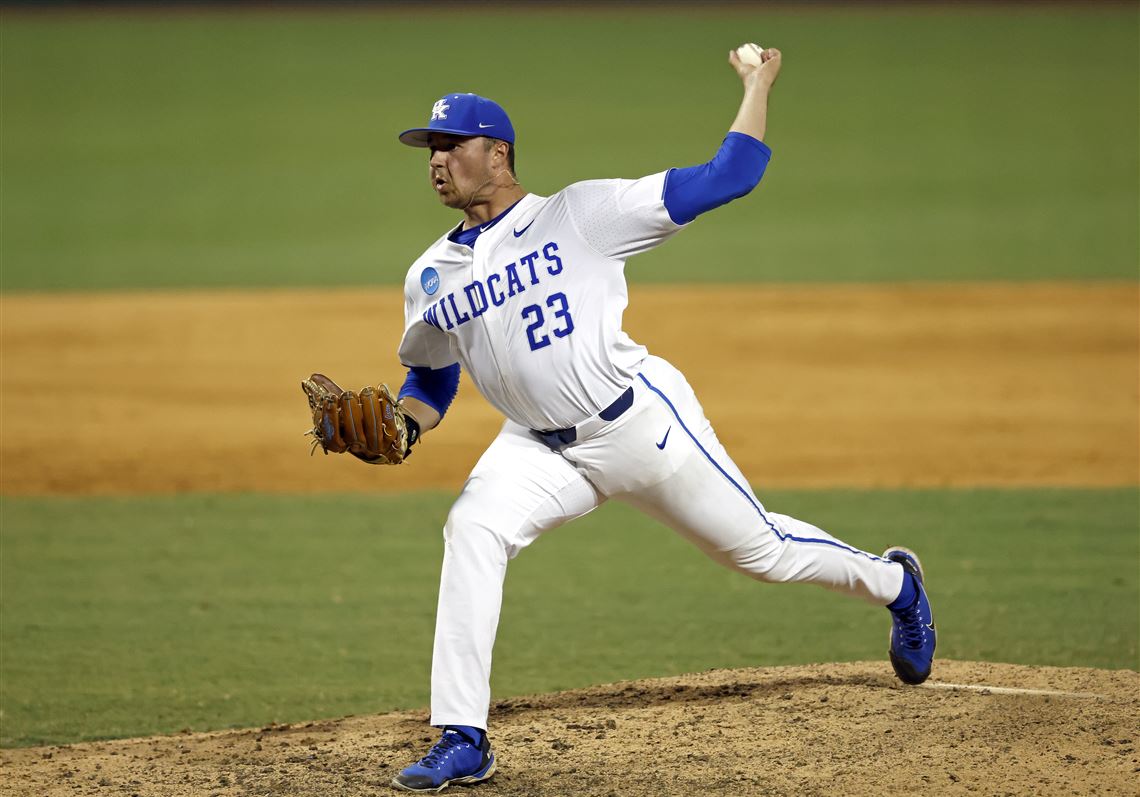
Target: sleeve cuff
{"type": "Point", "coordinates": [755, 142]}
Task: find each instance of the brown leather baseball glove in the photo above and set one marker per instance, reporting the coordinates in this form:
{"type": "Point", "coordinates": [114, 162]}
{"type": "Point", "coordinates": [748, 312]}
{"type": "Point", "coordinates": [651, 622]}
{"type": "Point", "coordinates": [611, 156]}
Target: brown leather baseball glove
{"type": "Point", "coordinates": [369, 424]}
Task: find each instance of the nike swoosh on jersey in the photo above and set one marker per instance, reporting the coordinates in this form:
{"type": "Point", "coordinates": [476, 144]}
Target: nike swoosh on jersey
{"type": "Point", "coordinates": [519, 233]}
{"type": "Point", "coordinates": [664, 439]}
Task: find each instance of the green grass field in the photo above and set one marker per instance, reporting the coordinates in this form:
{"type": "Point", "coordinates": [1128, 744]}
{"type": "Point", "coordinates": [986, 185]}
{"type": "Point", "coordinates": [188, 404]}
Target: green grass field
{"type": "Point", "coordinates": [124, 617]}
{"type": "Point", "coordinates": [259, 149]}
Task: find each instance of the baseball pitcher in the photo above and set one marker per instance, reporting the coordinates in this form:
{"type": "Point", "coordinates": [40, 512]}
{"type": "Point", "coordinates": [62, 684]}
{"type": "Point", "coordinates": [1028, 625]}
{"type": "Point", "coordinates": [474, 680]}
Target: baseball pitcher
{"type": "Point", "coordinates": [526, 296]}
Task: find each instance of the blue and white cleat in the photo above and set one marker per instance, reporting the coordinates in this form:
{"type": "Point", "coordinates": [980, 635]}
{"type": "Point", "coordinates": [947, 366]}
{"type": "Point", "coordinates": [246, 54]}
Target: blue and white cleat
{"type": "Point", "coordinates": [455, 759]}
{"type": "Point", "coordinates": [912, 635]}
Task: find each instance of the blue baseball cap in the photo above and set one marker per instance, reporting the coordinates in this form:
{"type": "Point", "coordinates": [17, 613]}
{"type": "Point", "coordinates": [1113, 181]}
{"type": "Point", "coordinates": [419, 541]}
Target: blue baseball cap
{"type": "Point", "coordinates": [463, 115]}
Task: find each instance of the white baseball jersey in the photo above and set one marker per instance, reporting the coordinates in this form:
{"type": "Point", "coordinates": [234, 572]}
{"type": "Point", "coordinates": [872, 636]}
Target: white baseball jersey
{"type": "Point", "coordinates": [533, 311]}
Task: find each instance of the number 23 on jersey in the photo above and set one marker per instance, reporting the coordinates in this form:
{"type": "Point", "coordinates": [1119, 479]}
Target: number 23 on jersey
{"type": "Point", "coordinates": [561, 322]}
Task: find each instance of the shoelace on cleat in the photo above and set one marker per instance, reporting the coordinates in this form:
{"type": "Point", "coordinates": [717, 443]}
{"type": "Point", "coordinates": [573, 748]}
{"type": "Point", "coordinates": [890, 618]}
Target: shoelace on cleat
{"type": "Point", "coordinates": [911, 627]}
{"type": "Point", "coordinates": [445, 745]}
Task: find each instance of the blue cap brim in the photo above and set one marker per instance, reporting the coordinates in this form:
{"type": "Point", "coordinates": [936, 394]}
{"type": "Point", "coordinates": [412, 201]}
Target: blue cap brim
{"type": "Point", "coordinates": [421, 136]}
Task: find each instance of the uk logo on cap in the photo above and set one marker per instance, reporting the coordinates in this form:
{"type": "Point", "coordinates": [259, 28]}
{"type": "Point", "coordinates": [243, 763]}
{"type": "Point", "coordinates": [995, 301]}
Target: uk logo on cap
{"type": "Point", "coordinates": [439, 110]}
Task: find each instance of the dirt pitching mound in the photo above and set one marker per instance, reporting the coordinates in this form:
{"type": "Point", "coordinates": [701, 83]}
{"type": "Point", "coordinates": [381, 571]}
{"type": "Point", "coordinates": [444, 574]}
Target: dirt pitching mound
{"type": "Point", "coordinates": [823, 729]}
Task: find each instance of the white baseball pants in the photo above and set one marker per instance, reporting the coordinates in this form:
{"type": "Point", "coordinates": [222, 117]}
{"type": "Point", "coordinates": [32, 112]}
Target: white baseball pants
{"type": "Point", "coordinates": [521, 488]}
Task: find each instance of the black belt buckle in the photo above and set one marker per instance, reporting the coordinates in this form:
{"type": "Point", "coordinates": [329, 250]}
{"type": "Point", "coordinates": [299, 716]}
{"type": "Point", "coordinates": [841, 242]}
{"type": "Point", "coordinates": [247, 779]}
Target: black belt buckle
{"type": "Point", "coordinates": [564, 437]}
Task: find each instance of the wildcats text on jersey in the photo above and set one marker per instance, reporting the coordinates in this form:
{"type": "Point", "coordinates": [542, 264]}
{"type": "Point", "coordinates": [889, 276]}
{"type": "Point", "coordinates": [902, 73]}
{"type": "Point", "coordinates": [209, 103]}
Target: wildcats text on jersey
{"type": "Point", "coordinates": [476, 298]}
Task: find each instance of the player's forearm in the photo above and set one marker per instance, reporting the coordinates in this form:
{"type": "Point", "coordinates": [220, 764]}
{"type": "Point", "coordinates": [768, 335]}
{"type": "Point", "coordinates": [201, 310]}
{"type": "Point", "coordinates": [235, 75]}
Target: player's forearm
{"type": "Point", "coordinates": [752, 118]}
{"type": "Point", "coordinates": [758, 79]}
{"type": "Point", "coordinates": [427, 393]}
{"type": "Point", "coordinates": [425, 415]}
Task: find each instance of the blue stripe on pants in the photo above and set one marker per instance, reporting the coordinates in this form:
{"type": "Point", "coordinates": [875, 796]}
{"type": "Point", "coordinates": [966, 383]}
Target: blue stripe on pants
{"type": "Point", "coordinates": [746, 492]}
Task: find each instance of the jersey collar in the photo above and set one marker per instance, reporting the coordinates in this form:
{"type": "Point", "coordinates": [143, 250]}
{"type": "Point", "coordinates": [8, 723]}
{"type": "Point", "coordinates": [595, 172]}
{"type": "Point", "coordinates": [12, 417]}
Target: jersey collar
{"type": "Point", "coordinates": [469, 236]}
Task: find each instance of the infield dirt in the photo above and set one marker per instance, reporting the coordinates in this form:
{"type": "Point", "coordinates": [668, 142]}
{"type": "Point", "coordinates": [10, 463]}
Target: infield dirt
{"type": "Point", "coordinates": [827, 729]}
{"type": "Point", "coordinates": [807, 386]}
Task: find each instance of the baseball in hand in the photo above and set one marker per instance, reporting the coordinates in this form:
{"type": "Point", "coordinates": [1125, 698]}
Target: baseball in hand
{"type": "Point", "coordinates": [751, 54]}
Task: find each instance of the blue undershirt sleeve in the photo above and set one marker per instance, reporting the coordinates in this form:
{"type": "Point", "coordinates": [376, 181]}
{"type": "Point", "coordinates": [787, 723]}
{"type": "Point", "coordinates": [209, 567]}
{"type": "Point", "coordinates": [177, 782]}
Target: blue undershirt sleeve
{"type": "Point", "coordinates": [436, 388]}
{"type": "Point", "coordinates": [734, 171]}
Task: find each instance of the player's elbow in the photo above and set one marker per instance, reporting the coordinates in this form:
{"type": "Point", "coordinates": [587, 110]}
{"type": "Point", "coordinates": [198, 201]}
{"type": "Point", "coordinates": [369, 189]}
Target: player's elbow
{"type": "Point", "coordinates": [740, 182]}
{"type": "Point", "coordinates": [700, 189]}
{"type": "Point", "coordinates": [734, 172]}
{"type": "Point", "coordinates": [740, 164]}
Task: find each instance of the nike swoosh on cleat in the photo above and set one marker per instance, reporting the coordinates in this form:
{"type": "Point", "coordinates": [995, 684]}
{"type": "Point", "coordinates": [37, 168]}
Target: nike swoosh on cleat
{"type": "Point", "coordinates": [518, 233]}
{"type": "Point", "coordinates": [664, 439]}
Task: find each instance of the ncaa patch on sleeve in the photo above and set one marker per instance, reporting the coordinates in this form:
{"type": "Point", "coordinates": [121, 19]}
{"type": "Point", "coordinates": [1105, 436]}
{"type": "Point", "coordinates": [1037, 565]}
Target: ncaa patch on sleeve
{"type": "Point", "coordinates": [429, 279]}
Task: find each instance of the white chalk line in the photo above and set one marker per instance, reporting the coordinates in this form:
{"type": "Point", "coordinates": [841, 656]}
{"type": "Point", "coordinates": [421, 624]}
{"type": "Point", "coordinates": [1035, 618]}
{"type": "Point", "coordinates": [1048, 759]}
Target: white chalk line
{"type": "Point", "coordinates": [1009, 690]}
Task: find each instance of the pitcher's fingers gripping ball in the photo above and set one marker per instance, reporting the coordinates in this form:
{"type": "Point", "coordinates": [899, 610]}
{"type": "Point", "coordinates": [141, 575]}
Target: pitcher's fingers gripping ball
{"type": "Point", "coordinates": [369, 424]}
{"type": "Point", "coordinates": [751, 54]}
